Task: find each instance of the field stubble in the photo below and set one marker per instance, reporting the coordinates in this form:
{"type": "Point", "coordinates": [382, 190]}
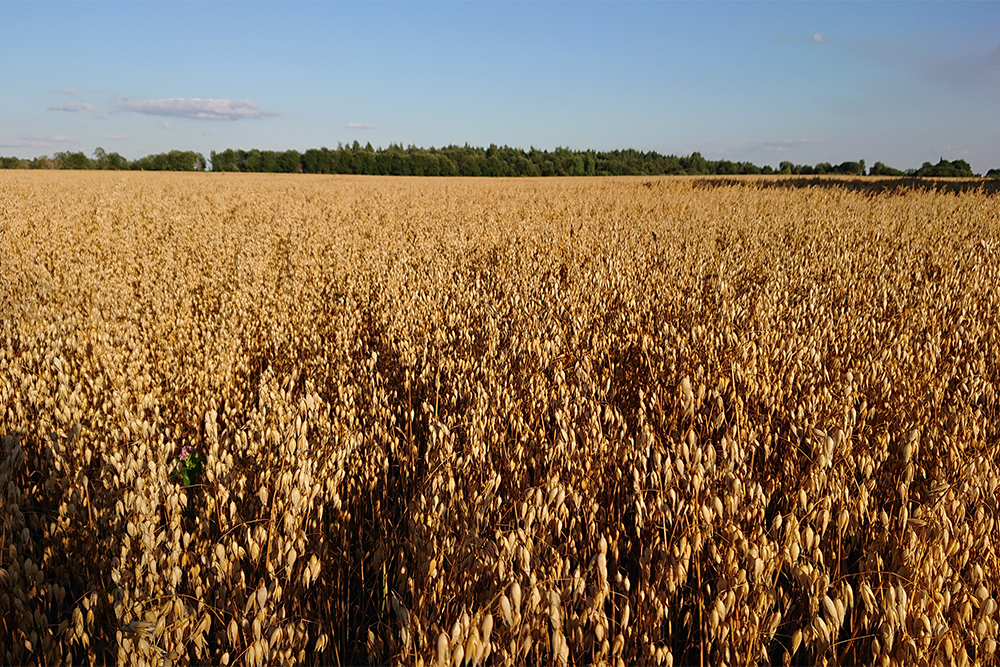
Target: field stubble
{"type": "Point", "coordinates": [485, 421]}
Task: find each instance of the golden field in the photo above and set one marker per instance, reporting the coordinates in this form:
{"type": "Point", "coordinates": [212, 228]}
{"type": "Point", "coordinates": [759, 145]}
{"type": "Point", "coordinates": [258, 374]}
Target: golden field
{"type": "Point", "coordinates": [462, 421]}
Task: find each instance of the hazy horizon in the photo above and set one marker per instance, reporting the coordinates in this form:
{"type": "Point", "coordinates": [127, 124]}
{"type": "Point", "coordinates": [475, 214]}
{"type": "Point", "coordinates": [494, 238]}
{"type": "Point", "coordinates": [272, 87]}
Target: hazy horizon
{"type": "Point", "coordinates": [901, 83]}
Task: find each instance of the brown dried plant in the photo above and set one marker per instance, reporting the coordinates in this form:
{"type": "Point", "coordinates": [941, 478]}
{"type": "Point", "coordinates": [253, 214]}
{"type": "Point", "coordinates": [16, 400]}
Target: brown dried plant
{"type": "Point", "coordinates": [442, 421]}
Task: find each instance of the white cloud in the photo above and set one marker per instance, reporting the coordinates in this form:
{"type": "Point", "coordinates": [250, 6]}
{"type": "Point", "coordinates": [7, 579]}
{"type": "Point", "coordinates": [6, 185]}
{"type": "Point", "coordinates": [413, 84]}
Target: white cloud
{"type": "Point", "coordinates": [359, 126]}
{"type": "Point", "coordinates": [199, 109]}
{"type": "Point", "coordinates": [72, 106]}
{"type": "Point", "coordinates": [166, 125]}
{"type": "Point", "coordinates": [116, 137]}
{"type": "Point", "coordinates": [819, 38]}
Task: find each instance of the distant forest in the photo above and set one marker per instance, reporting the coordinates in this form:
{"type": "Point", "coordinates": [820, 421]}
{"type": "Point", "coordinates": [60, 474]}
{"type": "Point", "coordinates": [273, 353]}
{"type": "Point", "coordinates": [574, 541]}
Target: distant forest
{"type": "Point", "coordinates": [467, 161]}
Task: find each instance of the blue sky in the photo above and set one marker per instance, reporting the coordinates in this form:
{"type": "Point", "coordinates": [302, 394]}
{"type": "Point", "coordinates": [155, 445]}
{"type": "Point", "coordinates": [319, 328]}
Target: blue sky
{"type": "Point", "coordinates": [807, 82]}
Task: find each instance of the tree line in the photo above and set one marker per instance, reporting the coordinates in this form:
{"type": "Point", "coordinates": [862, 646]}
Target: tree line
{"type": "Point", "coordinates": [467, 161]}
{"type": "Point", "coordinates": [172, 161]}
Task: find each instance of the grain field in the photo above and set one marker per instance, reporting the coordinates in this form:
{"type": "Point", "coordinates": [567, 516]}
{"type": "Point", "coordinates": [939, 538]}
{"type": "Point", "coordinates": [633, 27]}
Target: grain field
{"type": "Point", "coordinates": [252, 419]}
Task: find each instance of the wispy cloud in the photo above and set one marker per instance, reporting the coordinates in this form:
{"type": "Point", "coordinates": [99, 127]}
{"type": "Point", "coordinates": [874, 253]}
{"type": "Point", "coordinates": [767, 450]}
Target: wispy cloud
{"type": "Point", "coordinates": [38, 141]}
{"type": "Point", "coordinates": [816, 38]}
{"type": "Point", "coordinates": [56, 138]}
{"type": "Point", "coordinates": [72, 106]}
{"type": "Point", "coordinates": [359, 126]}
{"type": "Point", "coordinates": [198, 109]}
{"type": "Point", "coordinates": [970, 68]}
{"type": "Point", "coordinates": [23, 144]}
{"type": "Point", "coordinates": [955, 149]}
{"type": "Point", "coordinates": [116, 137]}
{"type": "Point", "coordinates": [782, 145]}
{"type": "Point", "coordinates": [73, 91]}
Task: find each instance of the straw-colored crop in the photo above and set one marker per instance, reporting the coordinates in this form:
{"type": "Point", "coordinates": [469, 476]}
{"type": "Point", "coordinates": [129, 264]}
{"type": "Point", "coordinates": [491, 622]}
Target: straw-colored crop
{"type": "Point", "coordinates": [251, 420]}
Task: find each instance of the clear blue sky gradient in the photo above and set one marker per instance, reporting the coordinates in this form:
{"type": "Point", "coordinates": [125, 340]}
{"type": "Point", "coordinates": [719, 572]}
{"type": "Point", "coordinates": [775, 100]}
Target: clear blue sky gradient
{"type": "Point", "coordinates": [807, 82]}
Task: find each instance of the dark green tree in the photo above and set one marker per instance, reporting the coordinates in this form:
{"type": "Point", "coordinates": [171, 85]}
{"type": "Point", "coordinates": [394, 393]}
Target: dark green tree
{"type": "Point", "coordinates": [962, 169]}
{"type": "Point", "coordinates": [880, 169]}
{"type": "Point", "coordinates": [945, 169]}
{"type": "Point", "coordinates": [224, 161]}
{"type": "Point", "coordinates": [289, 162]}
{"type": "Point", "coordinates": [112, 161]}
{"type": "Point", "coordinates": [447, 167]}
{"type": "Point", "coordinates": [172, 161]}
{"type": "Point", "coordinates": [66, 160]}
{"type": "Point", "coordinates": [695, 164]}
{"type": "Point", "coordinates": [852, 168]}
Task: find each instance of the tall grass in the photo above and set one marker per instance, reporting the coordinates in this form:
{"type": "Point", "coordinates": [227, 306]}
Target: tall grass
{"type": "Point", "coordinates": [617, 421]}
